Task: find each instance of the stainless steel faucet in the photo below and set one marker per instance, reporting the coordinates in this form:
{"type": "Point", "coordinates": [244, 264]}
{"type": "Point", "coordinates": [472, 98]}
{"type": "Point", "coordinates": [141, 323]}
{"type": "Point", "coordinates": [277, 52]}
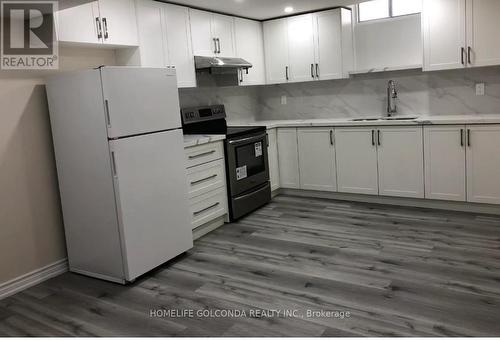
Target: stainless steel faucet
{"type": "Point", "coordinates": [392, 95]}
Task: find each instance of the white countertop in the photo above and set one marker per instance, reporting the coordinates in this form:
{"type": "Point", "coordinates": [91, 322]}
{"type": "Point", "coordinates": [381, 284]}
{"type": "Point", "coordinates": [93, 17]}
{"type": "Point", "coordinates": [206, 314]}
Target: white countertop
{"type": "Point", "coordinates": [421, 120]}
{"type": "Point", "coordinates": [193, 140]}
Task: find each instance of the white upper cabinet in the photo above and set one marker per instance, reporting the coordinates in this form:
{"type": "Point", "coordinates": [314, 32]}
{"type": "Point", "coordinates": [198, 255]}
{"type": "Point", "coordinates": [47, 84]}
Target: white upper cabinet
{"type": "Point", "coordinates": [212, 34]}
{"type": "Point", "coordinates": [483, 30]}
{"type": "Point", "coordinates": [460, 33]}
{"type": "Point", "coordinates": [444, 159]}
{"type": "Point", "coordinates": [109, 22]}
{"type": "Point", "coordinates": [118, 22]}
{"type": "Point", "coordinates": [178, 37]}
{"type": "Point", "coordinates": [400, 161]}
{"type": "Point", "coordinates": [223, 31]}
{"type": "Point", "coordinates": [301, 48]}
{"type": "Point", "coordinates": [356, 154]}
{"type": "Point", "coordinates": [164, 41]}
{"type": "Point", "coordinates": [309, 47]}
{"type": "Point", "coordinates": [250, 46]}
{"type": "Point", "coordinates": [328, 43]}
{"type": "Point", "coordinates": [204, 44]}
{"type": "Point", "coordinates": [153, 51]}
{"type": "Point", "coordinates": [317, 159]}
{"type": "Point", "coordinates": [443, 27]}
{"type": "Point", "coordinates": [483, 164]}
{"type": "Point", "coordinates": [276, 51]}
{"type": "Point", "coordinates": [288, 158]}
{"type": "Point", "coordinates": [79, 24]}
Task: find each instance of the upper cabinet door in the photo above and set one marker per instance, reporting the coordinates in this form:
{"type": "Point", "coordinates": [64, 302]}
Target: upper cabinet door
{"type": "Point", "coordinates": [443, 27]}
{"type": "Point", "coordinates": [317, 159]}
{"type": "Point", "coordinates": [203, 41]}
{"type": "Point", "coordinates": [178, 36]}
{"type": "Point", "coordinates": [276, 51]}
{"type": "Point", "coordinates": [482, 32]}
{"type": "Point", "coordinates": [356, 154]}
{"type": "Point", "coordinates": [118, 22]}
{"type": "Point", "coordinates": [301, 48]}
{"type": "Point", "coordinates": [223, 31]}
{"type": "Point", "coordinates": [483, 164]}
{"type": "Point", "coordinates": [79, 23]}
{"type": "Point", "coordinates": [249, 46]}
{"type": "Point", "coordinates": [401, 162]}
{"type": "Point", "coordinates": [328, 42]}
{"type": "Point", "coordinates": [444, 159]}
{"type": "Point", "coordinates": [152, 49]}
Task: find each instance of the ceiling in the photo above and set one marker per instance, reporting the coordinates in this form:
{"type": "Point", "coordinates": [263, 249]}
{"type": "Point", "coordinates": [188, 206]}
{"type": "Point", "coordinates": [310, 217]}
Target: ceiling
{"type": "Point", "coordinates": [262, 9]}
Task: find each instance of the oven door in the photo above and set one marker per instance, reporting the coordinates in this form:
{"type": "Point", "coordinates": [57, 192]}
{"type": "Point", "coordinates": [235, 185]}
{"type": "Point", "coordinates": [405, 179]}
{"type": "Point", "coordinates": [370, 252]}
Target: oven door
{"type": "Point", "coordinates": [247, 162]}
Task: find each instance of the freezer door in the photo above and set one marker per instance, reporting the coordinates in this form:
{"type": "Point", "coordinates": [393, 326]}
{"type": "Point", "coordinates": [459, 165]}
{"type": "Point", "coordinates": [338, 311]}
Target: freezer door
{"type": "Point", "coordinates": [140, 100]}
{"type": "Point", "coordinates": [152, 199]}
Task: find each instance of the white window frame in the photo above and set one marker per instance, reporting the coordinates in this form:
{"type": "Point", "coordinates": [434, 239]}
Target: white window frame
{"type": "Point", "coordinates": [391, 14]}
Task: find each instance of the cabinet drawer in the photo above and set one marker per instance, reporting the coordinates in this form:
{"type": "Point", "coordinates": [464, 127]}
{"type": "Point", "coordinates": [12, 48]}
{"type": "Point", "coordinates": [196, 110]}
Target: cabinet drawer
{"type": "Point", "coordinates": [197, 155]}
{"type": "Point", "coordinates": [205, 178]}
{"type": "Point", "coordinates": [208, 207]}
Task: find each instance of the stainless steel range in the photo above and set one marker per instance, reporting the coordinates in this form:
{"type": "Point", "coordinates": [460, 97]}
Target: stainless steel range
{"type": "Point", "coordinates": [247, 167]}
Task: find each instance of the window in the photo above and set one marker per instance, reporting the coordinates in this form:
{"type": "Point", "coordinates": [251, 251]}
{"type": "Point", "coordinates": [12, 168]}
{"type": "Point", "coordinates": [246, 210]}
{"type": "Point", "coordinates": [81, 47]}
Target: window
{"type": "Point", "coordinates": [382, 9]}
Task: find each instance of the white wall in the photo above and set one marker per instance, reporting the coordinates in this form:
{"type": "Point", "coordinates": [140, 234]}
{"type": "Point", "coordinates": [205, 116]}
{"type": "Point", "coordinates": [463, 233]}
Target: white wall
{"type": "Point", "coordinates": [389, 43]}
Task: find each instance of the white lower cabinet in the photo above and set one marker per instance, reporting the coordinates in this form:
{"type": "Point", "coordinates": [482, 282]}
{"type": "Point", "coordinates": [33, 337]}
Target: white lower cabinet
{"type": "Point", "coordinates": [272, 154]}
{"type": "Point", "coordinates": [288, 158]}
{"type": "Point", "coordinates": [444, 155]}
{"type": "Point", "coordinates": [317, 169]}
{"type": "Point", "coordinates": [483, 164]}
{"type": "Point", "coordinates": [400, 161]}
{"type": "Point", "coordinates": [206, 186]}
{"type": "Point", "coordinates": [356, 154]}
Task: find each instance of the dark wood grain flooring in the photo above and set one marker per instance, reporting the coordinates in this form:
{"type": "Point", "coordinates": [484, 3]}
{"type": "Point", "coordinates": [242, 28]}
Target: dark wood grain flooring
{"type": "Point", "coordinates": [394, 271]}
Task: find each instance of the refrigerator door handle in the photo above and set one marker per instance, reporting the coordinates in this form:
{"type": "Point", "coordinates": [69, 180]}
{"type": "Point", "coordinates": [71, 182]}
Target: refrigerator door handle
{"type": "Point", "coordinates": [113, 164]}
{"type": "Point", "coordinates": [108, 117]}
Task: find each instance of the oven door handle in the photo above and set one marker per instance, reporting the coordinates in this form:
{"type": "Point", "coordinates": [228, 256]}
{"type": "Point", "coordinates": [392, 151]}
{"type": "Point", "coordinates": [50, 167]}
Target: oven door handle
{"type": "Point", "coordinates": [248, 139]}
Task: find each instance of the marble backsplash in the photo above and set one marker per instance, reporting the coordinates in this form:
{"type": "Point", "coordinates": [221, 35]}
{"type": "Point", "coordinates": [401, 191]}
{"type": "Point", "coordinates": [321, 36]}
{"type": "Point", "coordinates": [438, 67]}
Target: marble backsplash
{"type": "Point", "coordinates": [435, 93]}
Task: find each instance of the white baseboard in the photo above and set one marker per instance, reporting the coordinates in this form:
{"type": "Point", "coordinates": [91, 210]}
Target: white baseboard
{"type": "Point", "coordinates": [33, 278]}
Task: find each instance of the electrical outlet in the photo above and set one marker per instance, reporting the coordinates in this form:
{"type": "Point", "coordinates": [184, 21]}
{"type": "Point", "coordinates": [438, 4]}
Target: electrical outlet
{"type": "Point", "coordinates": [480, 89]}
{"type": "Point", "coordinates": [283, 100]}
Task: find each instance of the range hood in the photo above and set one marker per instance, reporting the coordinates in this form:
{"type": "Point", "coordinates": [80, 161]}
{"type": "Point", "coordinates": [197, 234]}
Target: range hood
{"type": "Point", "coordinates": [204, 63]}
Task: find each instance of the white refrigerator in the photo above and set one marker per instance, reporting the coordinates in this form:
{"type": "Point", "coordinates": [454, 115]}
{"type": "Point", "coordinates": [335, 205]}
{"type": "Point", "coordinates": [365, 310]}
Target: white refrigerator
{"type": "Point", "coordinates": [121, 167]}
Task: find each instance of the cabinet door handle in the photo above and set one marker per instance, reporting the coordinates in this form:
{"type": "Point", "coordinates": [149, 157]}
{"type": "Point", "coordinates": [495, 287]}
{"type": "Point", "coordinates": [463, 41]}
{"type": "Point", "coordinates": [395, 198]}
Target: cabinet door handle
{"type": "Point", "coordinates": [218, 45]}
{"type": "Point", "coordinates": [106, 109]}
{"type": "Point", "coordinates": [461, 137]}
{"type": "Point", "coordinates": [469, 52]}
{"type": "Point", "coordinates": [205, 209]}
{"type": "Point", "coordinates": [373, 137]}
{"type": "Point", "coordinates": [378, 138]}
{"type": "Point", "coordinates": [312, 71]}
{"type": "Point", "coordinates": [462, 53]}
{"type": "Point", "coordinates": [331, 137]}
{"type": "Point", "coordinates": [204, 179]}
{"type": "Point", "coordinates": [317, 70]}
{"type": "Point", "coordinates": [215, 45]}
{"type": "Point", "coordinates": [241, 76]}
{"type": "Point", "coordinates": [202, 154]}
{"type": "Point", "coordinates": [113, 164]}
{"type": "Point", "coordinates": [99, 28]}
{"type": "Point", "coordinates": [105, 24]}
{"type": "Point", "coordinates": [286, 72]}
{"type": "Point", "coordinates": [468, 138]}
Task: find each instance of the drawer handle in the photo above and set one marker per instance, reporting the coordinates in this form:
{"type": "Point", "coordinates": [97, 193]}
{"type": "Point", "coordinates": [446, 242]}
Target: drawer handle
{"type": "Point", "coordinates": [202, 154]}
{"type": "Point", "coordinates": [206, 209]}
{"type": "Point", "coordinates": [203, 180]}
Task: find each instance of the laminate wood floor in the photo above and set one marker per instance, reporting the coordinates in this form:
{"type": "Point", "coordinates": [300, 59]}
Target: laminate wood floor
{"type": "Point", "coordinates": [394, 271]}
